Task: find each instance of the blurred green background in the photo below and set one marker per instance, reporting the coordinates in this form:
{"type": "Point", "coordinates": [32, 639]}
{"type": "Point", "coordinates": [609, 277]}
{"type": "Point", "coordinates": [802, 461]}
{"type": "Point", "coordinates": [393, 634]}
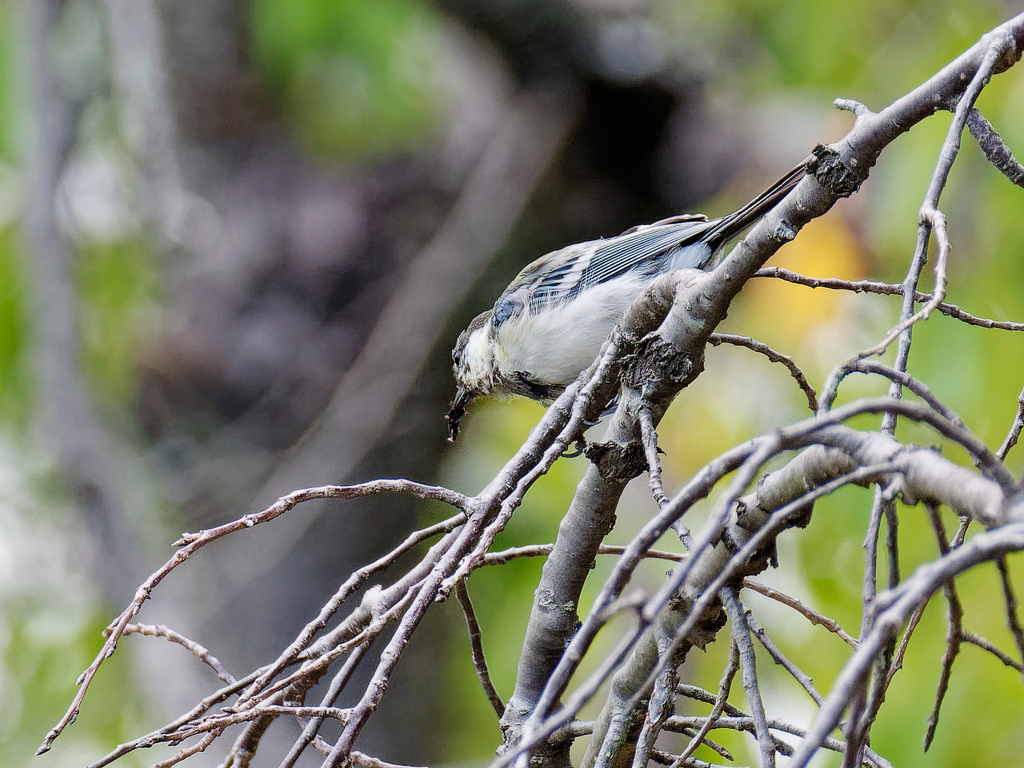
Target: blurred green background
{"type": "Point", "coordinates": [242, 186]}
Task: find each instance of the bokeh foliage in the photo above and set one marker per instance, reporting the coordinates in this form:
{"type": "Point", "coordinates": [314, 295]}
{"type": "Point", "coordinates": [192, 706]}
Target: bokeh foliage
{"type": "Point", "coordinates": [354, 83]}
{"type": "Point", "coordinates": [352, 78]}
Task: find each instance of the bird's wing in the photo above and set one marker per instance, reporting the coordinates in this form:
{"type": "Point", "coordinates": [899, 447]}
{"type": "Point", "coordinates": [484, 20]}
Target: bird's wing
{"type": "Point", "coordinates": [649, 250]}
{"type": "Point", "coordinates": [562, 275]}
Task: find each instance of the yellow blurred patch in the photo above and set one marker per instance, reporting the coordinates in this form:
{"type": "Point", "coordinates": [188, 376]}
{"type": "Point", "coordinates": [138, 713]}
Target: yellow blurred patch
{"type": "Point", "coordinates": [824, 248]}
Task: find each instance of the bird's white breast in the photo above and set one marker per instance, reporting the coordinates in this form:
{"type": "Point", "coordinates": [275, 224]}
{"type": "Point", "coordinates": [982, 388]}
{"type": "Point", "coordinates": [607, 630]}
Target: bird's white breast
{"type": "Point", "coordinates": [558, 342]}
{"type": "Point", "coordinates": [478, 359]}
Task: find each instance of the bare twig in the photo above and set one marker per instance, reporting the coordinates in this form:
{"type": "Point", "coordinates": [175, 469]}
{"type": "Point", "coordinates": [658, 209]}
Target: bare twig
{"type": "Point", "coordinates": [187, 752]}
{"type": "Point", "coordinates": [743, 723]}
{"type": "Point", "coordinates": [346, 590]}
{"type": "Point", "coordinates": [311, 728]}
{"type": "Point", "coordinates": [809, 613]}
{"type": "Point", "coordinates": [659, 707]}
{"type": "Point", "coordinates": [899, 377]}
{"type": "Point", "coordinates": [162, 734]}
{"type": "Point", "coordinates": [189, 543]}
{"type": "Point", "coordinates": [650, 438]}
{"type": "Point", "coordinates": [896, 608]}
{"type": "Point", "coordinates": [1015, 429]}
{"type": "Point", "coordinates": [199, 651]}
{"type": "Point", "coordinates": [776, 357]}
{"type": "Point", "coordinates": [986, 645]}
{"type": "Point", "coordinates": [954, 631]}
{"type": "Point", "coordinates": [995, 150]}
{"type": "Point", "coordinates": [724, 688]}
{"type": "Point", "coordinates": [542, 550]}
{"type": "Point", "coordinates": [780, 658]}
{"type": "Point", "coordinates": [994, 49]}
{"type": "Point", "coordinates": [886, 289]}
{"type": "Point", "coordinates": [358, 758]}
{"type": "Point", "coordinates": [1011, 603]}
{"type": "Point", "coordinates": [741, 639]}
{"type": "Point", "coordinates": [477, 649]}
{"type": "Point", "coordinates": [664, 758]}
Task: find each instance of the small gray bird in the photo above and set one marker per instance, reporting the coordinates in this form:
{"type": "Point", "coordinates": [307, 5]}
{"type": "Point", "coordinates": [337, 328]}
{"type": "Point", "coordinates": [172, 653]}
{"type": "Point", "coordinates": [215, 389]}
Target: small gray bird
{"type": "Point", "coordinates": [550, 323]}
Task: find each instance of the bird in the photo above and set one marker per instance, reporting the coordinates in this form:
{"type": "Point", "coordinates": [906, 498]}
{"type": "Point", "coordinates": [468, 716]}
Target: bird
{"type": "Point", "coordinates": [549, 324]}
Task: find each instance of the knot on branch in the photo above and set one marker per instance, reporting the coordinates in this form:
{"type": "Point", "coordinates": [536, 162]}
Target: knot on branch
{"type": "Point", "coordinates": [617, 463]}
{"type": "Point", "coordinates": [838, 178]}
{"type": "Point", "coordinates": [712, 619]}
{"type": "Point", "coordinates": [657, 364]}
{"type": "Point", "coordinates": [549, 752]}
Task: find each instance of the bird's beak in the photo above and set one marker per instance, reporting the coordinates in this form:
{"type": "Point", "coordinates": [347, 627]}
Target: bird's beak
{"type": "Point", "coordinates": [462, 398]}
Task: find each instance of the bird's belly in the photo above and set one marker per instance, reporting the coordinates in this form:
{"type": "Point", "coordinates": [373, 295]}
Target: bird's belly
{"type": "Point", "coordinates": [555, 344]}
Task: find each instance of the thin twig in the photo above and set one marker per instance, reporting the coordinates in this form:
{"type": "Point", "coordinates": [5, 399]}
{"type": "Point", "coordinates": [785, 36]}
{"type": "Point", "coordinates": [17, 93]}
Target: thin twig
{"type": "Point", "coordinates": [995, 150]}
{"type": "Point", "coordinates": [954, 631]}
{"type": "Point", "coordinates": [187, 752]}
{"type": "Point", "coordinates": [870, 757]}
{"type": "Point", "coordinates": [892, 543]}
{"type": "Point", "coordinates": [189, 543]}
{"type": "Point", "coordinates": [664, 758]}
{"type": "Point", "coordinates": [869, 588]}
{"type": "Point", "coordinates": [358, 758]}
{"type": "Point", "coordinates": [724, 688]}
{"type": "Point", "coordinates": [699, 694]}
{"type": "Point", "coordinates": [215, 725]}
{"type": "Point", "coordinates": [311, 728]}
{"type": "Point", "coordinates": [776, 357]}
{"type": "Point", "coordinates": [476, 647]}
{"type": "Point", "coordinates": [660, 705]}
{"type": "Point", "coordinates": [744, 723]}
{"type": "Point", "coordinates": [1011, 603]}
{"type": "Point", "coordinates": [863, 709]}
{"type": "Point", "coordinates": [1014, 434]}
{"type": "Point", "coordinates": [901, 378]}
{"type": "Point", "coordinates": [809, 613]}
{"type": "Point", "coordinates": [199, 651]}
{"type": "Point", "coordinates": [650, 441]}
{"type": "Point", "coordinates": [886, 289]}
{"type": "Point", "coordinates": [543, 550]}
{"type": "Point", "coordinates": [940, 534]}
{"type": "Point", "coordinates": [161, 734]}
{"type": "Point", "coordinates": [780, 659]}
{"type": "Point", "coordinates": [987, 645]}
{"type": "Point", "coordinates": [932, 219]}
{"type": "Point", "coordinates": [346, 590]}
{"type": "Point", "coordinates": [741, 638]}
{"type": "Point", "coordinates": [317, 664]}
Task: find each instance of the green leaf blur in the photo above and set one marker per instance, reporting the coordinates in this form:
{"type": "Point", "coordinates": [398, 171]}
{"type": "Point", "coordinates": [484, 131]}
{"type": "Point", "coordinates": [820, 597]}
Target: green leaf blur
{"type": "Point", "coordinates": [352, 76]}
{"type": "Point", "coordinates": [14, 380]}
{"type": "Point", "coordinates": [117, 286]}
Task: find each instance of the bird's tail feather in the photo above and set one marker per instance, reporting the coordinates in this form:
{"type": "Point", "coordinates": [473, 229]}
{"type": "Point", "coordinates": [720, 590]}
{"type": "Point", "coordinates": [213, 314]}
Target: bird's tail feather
{"type": "Point", "coordinates": [728, 227]}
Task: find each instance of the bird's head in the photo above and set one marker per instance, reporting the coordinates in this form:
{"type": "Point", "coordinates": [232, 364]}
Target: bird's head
{"type": "Point", "coordinates": [474, 368]}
